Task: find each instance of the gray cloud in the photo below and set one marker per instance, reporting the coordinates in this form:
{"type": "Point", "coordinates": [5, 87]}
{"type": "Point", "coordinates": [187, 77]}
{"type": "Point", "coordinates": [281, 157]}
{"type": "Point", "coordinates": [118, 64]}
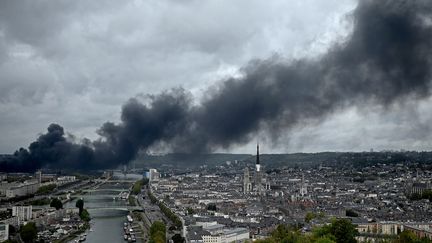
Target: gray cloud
{"type": "Point", "coordinates": [75, 64]}
{"type": "Point", "coordinates": [384, 64]}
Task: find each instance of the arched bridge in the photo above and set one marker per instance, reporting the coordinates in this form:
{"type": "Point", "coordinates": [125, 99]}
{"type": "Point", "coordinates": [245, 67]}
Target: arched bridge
{"type": "Point", "coordinates": [121, 208]}
{"type": "Point", "coordinates": [106, 190]}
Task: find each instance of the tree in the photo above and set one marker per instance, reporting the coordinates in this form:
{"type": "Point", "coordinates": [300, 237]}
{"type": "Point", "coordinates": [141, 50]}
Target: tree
{"type": "Point", "coordinates": [28, 232]}
{"type": "Point", "coordinates": [280, 232]}
{"type": "Point", "coordinates": [46, 189]}
{"type": "Point", "coordinates": [85, 216]}
{"type": "Point", "coordinates": [178, 239]}
{"type": "Point", "coordinates": [136, 189]}
{"type": "Point", "coordinates": [157, 232]}
{"type": "Point", "coordinates": [309, 216]}
{"type": "Point", "coordinates": [157, 226]}
{"type": "Point", "coordinates": [190, 211]}
{"type": "Point", "coordinates": [80, 205]}
{"type": "Point", "coordinates": [340, 231]}
{"type": "Point", "coordinates": [56, 203]}
{"type": "Point", "coordinates": [325, 239]}
{"type": "Point", "coordinates": [343, 230]}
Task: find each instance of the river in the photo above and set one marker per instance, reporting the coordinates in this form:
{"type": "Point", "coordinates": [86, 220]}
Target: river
{"type": "Point", "coordinates": [106, 224]}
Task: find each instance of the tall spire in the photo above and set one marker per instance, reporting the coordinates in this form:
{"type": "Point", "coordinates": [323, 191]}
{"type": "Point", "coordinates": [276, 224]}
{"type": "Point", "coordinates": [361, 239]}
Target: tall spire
{"type": "Point", "coordinates": [257, 156]}
{"type": "Point", "coordinates": [257, 165]}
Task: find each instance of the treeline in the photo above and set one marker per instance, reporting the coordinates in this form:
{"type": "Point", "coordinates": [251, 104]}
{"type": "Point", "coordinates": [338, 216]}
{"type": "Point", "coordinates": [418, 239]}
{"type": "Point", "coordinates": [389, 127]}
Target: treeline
{"type": "Point", "coordinates": [167, 211]}
{"type": "Point", "coordinates": [172, 216]}
{"type": "Point", "coordinates": [152, 197]}
{"type": "Point", "coordinates": [136, 189]}
{"type": "Point", "coordinates": [157, 232]}
{"type": "Point", "coordinates": [338, 231]}
{"type": "Point", "coordinates": [46, 189]}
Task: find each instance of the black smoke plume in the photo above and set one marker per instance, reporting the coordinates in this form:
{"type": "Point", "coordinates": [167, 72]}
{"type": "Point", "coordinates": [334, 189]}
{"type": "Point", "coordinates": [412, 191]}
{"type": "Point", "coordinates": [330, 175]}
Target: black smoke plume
{"type": "Point", "coordinates": [385, 61]}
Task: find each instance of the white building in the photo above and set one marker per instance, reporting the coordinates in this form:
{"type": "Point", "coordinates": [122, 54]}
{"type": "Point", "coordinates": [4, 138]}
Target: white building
{"type": "Point", "coordinates": [24, 213]}
{"type": "Point", "coordinates": [4, 232]}
{"type": "Point", "coordinates": [23, 189]}
{"type": "Point", "coordinates": [227, 236]}
{"type": "Point", "coordinates": [65, 179]}
{"type": "Point", "coordinates": [154, 175]}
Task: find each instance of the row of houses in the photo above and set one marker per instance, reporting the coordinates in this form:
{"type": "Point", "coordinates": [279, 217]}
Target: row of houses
{"type": "Point", "coordinates": [421, 230]}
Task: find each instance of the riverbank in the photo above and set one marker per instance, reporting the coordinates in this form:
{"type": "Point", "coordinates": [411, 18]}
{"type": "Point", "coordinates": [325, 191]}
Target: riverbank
{"type": "Point", "coordinates": [75, 234]}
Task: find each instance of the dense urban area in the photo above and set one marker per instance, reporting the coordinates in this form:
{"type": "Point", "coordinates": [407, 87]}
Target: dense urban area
{"type": "Point", "coordinates": [336, 199]}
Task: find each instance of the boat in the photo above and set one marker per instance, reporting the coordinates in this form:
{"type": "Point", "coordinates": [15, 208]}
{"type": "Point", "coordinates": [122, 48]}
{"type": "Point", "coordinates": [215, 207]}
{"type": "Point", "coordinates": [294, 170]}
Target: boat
{"type": "Point", "coordinates": [125, 237]}
{"type": "Point", "coordinates": [82, 238]}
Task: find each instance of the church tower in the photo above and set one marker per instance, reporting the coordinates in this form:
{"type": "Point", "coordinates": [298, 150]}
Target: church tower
{"type": "Point", "coordinates": [259, 188]}
{"type": "Point", "coordinates": [247, 185]}
{"type": "Point", "coordinates": [255, 182]}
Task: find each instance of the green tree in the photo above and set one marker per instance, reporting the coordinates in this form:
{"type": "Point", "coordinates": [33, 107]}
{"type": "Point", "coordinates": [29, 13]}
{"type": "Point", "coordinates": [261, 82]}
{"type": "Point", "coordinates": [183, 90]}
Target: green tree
{"type": "Point", "coordinates": [28, 232]}
{"type": "Point", "coordinates": [343, 230]}
{"type": "Point", "coordinates": [309, 216]}
{"type": "Point", "coordinates": [158, 237]}
{"type": "Point", "coordinates": [269, 240]}
{"type": "Point", "coordinates": [136, 189]}
{"type": "Point", "coordinates": [85, 216]}
{"type": "Point", "coordinates": [80, 205]}
{"type": "Point", "coordinates": [190, 211]}
{"type": "Point", "coordinates": [157, 232]}
{"type": "Point", "coordinates": [56, 203]}
{"type": "Point", "coordinates": [46, 189]}
{"type": "Point", "coordinates": [406, 237]}
{"type": "Point", "coordinates": [178, 239]}
{"type": "Point", "coordinates": [280, 232]}
{"type": "Point", "coordinates": [324, 239]}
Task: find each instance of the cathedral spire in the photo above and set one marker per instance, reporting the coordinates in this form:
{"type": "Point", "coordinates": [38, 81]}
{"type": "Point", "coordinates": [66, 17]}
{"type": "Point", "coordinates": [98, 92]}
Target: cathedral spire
{"type": "Point", "coordinates": [257, 156]}
{"type": "Point", "coordinates": [257, 165]}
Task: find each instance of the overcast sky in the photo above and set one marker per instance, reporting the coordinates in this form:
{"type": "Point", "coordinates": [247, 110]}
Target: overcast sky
{"type": "Point", "coordinates": [77, 62]}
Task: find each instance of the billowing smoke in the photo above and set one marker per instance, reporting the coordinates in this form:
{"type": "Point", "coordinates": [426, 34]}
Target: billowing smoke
{"type": "Point", "coordinates": [386, 60]}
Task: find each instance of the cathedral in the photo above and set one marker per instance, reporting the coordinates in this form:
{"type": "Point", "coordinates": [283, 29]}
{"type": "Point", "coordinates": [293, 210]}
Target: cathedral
{"type": "Point", "coordinates": [255, 183]}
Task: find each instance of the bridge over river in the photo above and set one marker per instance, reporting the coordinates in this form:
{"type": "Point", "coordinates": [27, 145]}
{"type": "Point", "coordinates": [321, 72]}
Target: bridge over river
{"type": "Point", "coordinates": [120, 208]}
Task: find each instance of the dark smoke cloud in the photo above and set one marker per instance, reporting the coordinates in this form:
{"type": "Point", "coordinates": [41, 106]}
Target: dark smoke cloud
{"type": "Point", "coordinates": [386, 60]}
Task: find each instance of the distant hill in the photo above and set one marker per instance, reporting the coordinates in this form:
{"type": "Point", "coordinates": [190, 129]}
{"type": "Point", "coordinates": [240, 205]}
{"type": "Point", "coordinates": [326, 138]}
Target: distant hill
{"type": "Point", "coordinates": [356, 159]}
{"type": "Point", "coordinates": [295, 159]}
{"type": "Point", "coordinates": [180, 160]}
